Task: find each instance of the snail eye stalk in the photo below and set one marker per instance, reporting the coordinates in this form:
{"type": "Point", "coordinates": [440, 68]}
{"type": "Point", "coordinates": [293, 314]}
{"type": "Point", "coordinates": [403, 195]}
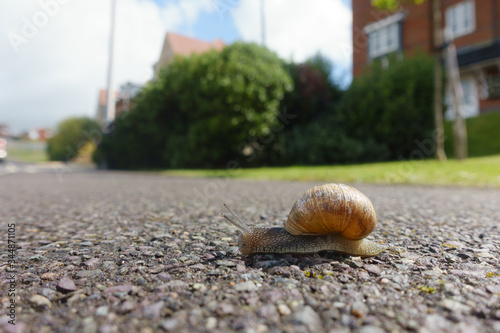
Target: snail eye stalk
{"type": "Point", "coordinates": [242, 226]}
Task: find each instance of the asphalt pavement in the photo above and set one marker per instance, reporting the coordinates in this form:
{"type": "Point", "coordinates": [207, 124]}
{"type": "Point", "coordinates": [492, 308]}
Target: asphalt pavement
{"type": "Point", "coordinates": [102, 251]}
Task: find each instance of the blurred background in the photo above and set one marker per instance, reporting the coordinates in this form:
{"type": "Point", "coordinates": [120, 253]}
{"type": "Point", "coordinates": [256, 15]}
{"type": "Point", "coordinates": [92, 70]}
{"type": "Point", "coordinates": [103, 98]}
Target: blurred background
{"type": "Point", "coordinates": [227, 84]}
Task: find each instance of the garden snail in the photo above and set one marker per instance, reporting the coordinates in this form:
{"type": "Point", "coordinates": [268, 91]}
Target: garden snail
{"type": "Point", "coordinates": [333, 217]}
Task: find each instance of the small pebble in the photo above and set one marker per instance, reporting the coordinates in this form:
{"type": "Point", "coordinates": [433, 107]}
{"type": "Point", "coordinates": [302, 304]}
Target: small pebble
{"type": "Point", "coordinates": [211, 323]}
{"type": "Point", "coordinates": [373, 269]}
{"type": "Point", "coordinates": [153, 311]}
{"type": "Point", "coordinates": [88, 274]}
{"type": "Point", "coordinates": [359, 309]}
{"type": "Point", "coordinates": [49, 276]}
{"type": "Point", "coordinates": [92, 263]}
{"type": "Point", "coordinates": [101, 311]}
{"type": "Point", "coordinates": [245, 286]}
{"type": "Point", "coordinates": [40, 301]}
{"type": "Point", "coordinates": [66, 285]}
{"type": "Point", "coordinates": [308, 317]}
{"type": "Point", "coordinates": [284, 310]}
{"type": "Point", "coordinates": [169, 324]}
{"type": "Point", "coordinates": [224, 309]}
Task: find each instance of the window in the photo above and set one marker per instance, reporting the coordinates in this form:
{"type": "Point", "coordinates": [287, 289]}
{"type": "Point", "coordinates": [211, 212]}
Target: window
{"type": "Point", "coordinates": [384, 36]}
{"type": "Point", "coordinates": [383, 41]}
{"type": "Point", "coordinates": [460, 18]}
{"type": "Point", "coordinates": [470, 102]}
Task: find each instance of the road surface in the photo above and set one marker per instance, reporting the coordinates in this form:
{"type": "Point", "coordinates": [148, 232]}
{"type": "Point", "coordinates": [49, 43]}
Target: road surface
{"type": "Point", "coordinates": [104, 251]}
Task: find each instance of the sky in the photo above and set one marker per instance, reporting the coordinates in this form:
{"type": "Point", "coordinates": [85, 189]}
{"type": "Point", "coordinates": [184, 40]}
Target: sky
{"type": "Point", "coordinates": [54, 53]}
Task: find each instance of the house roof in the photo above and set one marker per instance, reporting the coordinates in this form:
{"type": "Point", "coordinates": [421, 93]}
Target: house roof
{"type": "Point", "coordinates": [182, 45]}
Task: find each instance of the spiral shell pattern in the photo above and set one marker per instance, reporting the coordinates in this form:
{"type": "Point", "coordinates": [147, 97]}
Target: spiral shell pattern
{"type": "Point", "coordinates": [332, 208]}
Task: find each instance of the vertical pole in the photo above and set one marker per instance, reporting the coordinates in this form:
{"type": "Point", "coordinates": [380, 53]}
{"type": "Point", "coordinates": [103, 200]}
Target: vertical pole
{"type": "Point", "coordinates": [110, 109]}
{"type": "Point", "coordinates": [459, 126]}
{"type": "Point", "coordinates": [262, 23]}
{"type": "Point", "coordinates": [438, 80]}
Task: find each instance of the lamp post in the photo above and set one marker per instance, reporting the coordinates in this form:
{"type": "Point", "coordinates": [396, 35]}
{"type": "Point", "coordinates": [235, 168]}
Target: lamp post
{"type": "Point", "coordinates": [262, 23]}
{"type": "Point", "coordinates": [110, 108]}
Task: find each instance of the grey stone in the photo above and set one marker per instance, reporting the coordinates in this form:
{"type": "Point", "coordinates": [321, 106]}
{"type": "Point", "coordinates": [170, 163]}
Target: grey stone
{"type": "Point", "coordinates": [224, 309]}
{"type": "Point", "coordinates": [373, 269]}
{"type": "Point", "coordinates": [153, 311]}
{"type": "Point", "coordinates": [88, 274]}
{"type": "Point", "coordinates": [92, 263]}
{"type": "Point", "coordinates": [245, 286]}
{"type": "Point", "coordinates": [40, 301]}
{"type": "Point", "coordinates": [307, 317]}
{"type": "Point", "coordinates": [169, 324]}
{"type": "Point", "coordinates": [66, 285]}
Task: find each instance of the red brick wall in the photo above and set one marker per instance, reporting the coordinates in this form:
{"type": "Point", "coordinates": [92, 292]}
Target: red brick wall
{"type": "Point", "coordinates": [486, 105]}
{"type": "Point", "coordinates": [417, 27]}
{"type": "Point", "coordinates": [485, 28]}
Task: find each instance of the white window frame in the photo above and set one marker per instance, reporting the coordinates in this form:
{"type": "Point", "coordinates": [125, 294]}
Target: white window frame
{"type": "Point", "coordinates": [470, 102]}
{"type": "Point", "coordinates": [384, 36]}
{"type": "Point", "coordinates": [461, 18]}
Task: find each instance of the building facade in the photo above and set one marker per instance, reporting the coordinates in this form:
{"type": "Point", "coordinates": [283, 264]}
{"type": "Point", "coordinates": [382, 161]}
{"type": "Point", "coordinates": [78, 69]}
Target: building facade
{"type": "Point", "coordinates": [473, 24]}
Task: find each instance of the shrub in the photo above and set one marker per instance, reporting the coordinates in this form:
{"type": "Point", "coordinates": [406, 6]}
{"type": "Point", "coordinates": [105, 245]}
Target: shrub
{"type": "Point", "coordinates": [200, 111]}
{"type": "Point", "coordinates": [70, 136]}
{"type": "Point", "coordinates": [393, 106]}
{"type": "Point", "coordinates": [378, 118]}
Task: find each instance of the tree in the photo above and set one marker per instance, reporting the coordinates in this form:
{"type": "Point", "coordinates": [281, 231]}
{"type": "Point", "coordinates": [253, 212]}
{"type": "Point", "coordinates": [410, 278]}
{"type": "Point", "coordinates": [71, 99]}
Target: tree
{"type": "Point", "coordinates": [314, 92]}
{"type": "Point", "coordinates": [71, 135]}
{"type": "Point", "coordinates": [438, 43]}
{"type": "Point", "coordinates": [203, 111]}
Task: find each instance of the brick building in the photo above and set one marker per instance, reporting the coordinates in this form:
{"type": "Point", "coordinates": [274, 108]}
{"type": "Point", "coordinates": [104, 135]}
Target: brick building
{"type": "Point", "coordinates": [474, 25]}
{"type": "Point", "coordinates": [175, 44]}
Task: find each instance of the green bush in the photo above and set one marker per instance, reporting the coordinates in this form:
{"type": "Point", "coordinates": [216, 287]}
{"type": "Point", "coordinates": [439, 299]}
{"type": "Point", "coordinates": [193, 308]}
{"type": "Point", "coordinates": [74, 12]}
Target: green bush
{"type": "Point", "coordinates": [201, 111]}
{"type": "Point", "coordinates": [378, 118]}
{"type": "Point", "coordinates": [325, 141]}
{"type": "Point", "coordinates": [70, 136]}
{"type": "Point", "coordinates": [392, 107]}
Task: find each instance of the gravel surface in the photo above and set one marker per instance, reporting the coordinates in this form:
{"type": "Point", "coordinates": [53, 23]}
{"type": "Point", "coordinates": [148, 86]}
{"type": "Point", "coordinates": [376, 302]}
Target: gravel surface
{"type": "Point", "coordinates": [137, 252]}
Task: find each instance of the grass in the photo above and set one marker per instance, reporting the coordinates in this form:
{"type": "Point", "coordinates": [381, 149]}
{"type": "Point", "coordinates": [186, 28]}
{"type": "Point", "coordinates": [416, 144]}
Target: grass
{"type": "Point", "coordinates": [483, 135]}
{"type": "Point", "coordinates": [29, 156]}
{"type": "Point", "coordinates": [478, 171]}
{"type": "Point", "coordinates": [26, 152]}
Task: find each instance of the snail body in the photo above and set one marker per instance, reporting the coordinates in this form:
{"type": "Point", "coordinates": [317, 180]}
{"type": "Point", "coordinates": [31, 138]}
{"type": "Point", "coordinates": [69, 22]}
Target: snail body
{"type": "Point", "coordinates": [331, 217]}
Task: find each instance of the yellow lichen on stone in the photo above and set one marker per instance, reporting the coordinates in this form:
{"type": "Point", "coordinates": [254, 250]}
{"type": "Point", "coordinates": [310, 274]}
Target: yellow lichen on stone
{"type": "Point", "coordinates": [427, 289]}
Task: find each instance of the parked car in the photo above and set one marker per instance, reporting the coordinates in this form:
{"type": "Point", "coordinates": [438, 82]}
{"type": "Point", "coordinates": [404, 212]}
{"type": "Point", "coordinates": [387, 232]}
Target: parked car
{"type": "Point", "coordinates": [3, 149]}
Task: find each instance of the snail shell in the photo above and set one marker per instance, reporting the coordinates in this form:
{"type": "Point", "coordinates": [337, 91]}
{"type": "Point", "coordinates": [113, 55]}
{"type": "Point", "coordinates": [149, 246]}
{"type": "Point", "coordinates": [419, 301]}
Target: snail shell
{"type": "Point", "coordinates": [332, 208]}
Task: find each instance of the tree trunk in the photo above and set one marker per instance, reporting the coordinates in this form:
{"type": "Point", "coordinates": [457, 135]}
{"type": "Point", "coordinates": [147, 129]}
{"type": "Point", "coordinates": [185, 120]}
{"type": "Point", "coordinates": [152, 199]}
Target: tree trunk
{"type": "Point", "coordinates": [453, 74]}
{"type": "Point", "coordinates": [438, 80]}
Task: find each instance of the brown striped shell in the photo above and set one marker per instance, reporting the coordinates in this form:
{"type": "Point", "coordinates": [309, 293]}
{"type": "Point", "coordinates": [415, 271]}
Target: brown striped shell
{"type": "Point", "coordinates": [332, 208]}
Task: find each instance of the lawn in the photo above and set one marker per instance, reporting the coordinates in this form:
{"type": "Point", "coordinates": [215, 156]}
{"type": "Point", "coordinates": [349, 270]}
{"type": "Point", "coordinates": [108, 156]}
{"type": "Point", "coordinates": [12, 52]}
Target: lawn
{"type": "Point", "coordinates": [478, 171]}
{"type": "Point", "coordinates": [26, 151]}
{"type": "Point", "coordinates": [483, 135]}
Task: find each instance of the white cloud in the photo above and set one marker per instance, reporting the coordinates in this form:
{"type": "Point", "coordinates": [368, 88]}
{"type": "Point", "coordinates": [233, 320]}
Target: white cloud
{"type": "Point", "coordinates": [60, 65]}
{"type": "Point", "coordinates": [298, 29]}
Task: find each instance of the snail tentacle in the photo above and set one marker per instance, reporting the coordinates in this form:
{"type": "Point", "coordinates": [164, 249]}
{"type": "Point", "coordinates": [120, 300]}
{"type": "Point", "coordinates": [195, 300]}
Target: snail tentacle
{"type": "Point", "coordinates": [242, 226]}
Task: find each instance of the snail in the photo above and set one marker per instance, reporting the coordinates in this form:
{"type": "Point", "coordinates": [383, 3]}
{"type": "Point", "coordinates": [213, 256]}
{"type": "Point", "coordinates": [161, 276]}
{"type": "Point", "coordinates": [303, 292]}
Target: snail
{"type": "Point", "coordinates": [333, 217]}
